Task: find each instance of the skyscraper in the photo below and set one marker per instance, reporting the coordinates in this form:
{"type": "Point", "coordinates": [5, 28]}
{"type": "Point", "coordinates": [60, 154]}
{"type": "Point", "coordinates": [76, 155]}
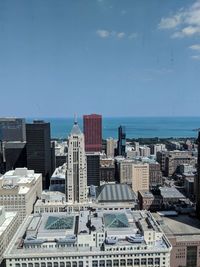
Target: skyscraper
{"type": "Point", "coordinates": [110, 147]}
{"type": "Point", "coordinates": [12, 129]}
{"type": "Point", "coordinates": [39, 149]}
{"type": "Point", "coordinates": [121, 145]}
{"type": "Point", "coordinates": [198, 180]}
{"type": "Point", "coordinates": [76, 176]}
{"type": "Point", "coordinates": [92, 128]}
{"type": "Point", "coordinates": [93, 168]}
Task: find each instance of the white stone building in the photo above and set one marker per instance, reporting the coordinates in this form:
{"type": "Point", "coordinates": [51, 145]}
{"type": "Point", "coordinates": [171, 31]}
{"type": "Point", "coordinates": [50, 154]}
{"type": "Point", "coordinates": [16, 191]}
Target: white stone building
{"type": "Point", "coordinates": [19, 190]}
{"type": "Point", "coordinates": [8, 226]}
{"type": "Point", "coordinates": [89, 239]}
{"type": "Point", "coordinates": [76, 176]}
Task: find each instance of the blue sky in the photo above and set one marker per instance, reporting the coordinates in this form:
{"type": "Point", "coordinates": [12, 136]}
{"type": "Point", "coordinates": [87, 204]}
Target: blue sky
{"type": "Point", "coordinates": [114, 57]}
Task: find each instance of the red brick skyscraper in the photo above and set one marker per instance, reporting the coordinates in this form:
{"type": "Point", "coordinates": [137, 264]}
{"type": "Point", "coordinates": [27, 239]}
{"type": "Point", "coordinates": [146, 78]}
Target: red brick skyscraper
{"type": "Point", "coordinates": [92, 128]}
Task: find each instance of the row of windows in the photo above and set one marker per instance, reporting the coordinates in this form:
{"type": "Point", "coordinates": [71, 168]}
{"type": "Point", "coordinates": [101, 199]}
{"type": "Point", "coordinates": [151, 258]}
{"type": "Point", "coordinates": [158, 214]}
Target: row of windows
{"type": "Point", "coordinates": [95, 263]}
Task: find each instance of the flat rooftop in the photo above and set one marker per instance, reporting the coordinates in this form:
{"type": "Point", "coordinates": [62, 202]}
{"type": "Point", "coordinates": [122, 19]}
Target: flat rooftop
{"type": "Point", "coordinates": [170, 192]}
{"type": "Point", "coordinates": [74, 229]}
{"type": "Point", "coordinates": [183, 227]}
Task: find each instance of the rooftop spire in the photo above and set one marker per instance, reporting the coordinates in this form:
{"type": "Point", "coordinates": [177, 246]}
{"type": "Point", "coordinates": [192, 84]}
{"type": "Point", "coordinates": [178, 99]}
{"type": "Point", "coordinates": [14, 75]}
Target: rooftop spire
{"type": "Point", "coordinates": [75, 118]}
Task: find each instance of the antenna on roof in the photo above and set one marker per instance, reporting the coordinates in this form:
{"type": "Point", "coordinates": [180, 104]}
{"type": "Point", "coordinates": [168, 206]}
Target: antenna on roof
{"type": "Point", "coordinates": [75, 118]}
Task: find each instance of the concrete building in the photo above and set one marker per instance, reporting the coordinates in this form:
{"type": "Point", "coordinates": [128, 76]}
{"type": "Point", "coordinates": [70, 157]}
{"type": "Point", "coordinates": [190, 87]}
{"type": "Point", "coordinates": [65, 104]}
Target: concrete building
{"type": "Point", "coordinates": [92, 129]}
{"type": "Point", "coordinates": [157, 148]}
{"type": "Point", "coordinates": [148, 201]}
{"type": "Point", "coordinates": [189, 186]}
{"type": "Point", "coordinates": [161, 158]}
{"type": "Point", "coordinates": [60, 153]}
{"type": "Point", "coordinates": [170, 195]}
{"type": "Point", "coordinates": [125, 171]}
{"type": "Point", "coordinates": [19, 190]}
{"type": "Point", "coordinates": [8, 226]}
{"type": "Point", "coordinates": [76, 176]}
{"type": "Point", "coordinates": [106, 197]}
{"type": "Point", "coordinates": [111, 145]}
{"type": "Point", "coordinates": [12, 129]}
{"type": "Point", "coordinates": [93, 168]}
{"type": "Point", "coordinates": [177, 158]}
{"type": "Point", "coordinates": [134, 173]}
{"type": "Point", "coordinates": [39, 149]}
{"type": "Point", "coordinates": [155, 175]}
{"type": "Point", "coordinates": [183, 233]}
{"type": "Point", "coordinates": [107, 170]}
{"type": "Point", "coordinates": [109, 238]}
{"type": "Point", "coordinates": [140, 176]}
{"type": "Point", "coordinates": [171, 160]}
{"type": "Point", "coordinates": [186, 168]}
{"type": "Point", "coordinates": [145, 151]}
{"type": "Point", "coordinates": [57, 180]}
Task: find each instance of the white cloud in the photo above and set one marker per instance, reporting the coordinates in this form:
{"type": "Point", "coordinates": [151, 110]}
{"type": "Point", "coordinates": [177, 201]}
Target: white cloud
{"type": "Point", "coordinates": [186, 22]}
{"type": "Point", "coordinates": [171, 22]}
{"type": "Point", "coordinates": [120, 35]}
{"type": "Point", "coordinates": [195, 47]}
{"type": "Point", "coordinates": [196, 57]}
{"type": "Point", "coordinates": [103, 33]}
{"type": "Point", "coordinates": [133, 35]}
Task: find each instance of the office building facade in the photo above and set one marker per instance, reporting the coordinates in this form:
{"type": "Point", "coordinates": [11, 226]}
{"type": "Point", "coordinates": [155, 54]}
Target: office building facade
{"type": "Point", "coordinates": [88, 239]}
{"type": "Point", "coordinates": [92, 129]}
{"type": "Point", "coordinates": [121, 145]}
{"type": "Point", "coordinates": [19, 190]}
{"type": "Point", "coordinates": [76, 175]}
{"type": "Point", "coordinates": [39, 149]}
{"type": "Point", "coordinates": [12, 129]}
{"type": "Point", "coordinates": [93, 168]}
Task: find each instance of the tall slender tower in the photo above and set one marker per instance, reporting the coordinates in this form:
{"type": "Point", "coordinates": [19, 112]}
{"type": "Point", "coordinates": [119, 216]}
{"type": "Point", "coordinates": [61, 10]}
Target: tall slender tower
{"type": "Point", "coordinates": [76, 176]}
{"type": "Point", "coordinates": [198, 180]}
{"type": "Point", "coordinates": [121, 145]}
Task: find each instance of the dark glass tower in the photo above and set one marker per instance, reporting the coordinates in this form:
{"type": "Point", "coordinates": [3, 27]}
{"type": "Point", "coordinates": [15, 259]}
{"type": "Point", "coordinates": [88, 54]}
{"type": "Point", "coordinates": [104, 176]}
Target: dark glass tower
{"type": "Point", "coordinates": [12, 129]}
{"type": "Point", "coordinates": [39, 149]}
{"type": "Point", "coordinates": [121, 145]}
{"type": "Point", "coordinates": [93, 168]}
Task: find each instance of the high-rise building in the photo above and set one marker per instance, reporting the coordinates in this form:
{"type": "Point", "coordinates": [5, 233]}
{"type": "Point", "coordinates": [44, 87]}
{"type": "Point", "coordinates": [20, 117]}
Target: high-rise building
{"type": "Point", "coordinates": [12, 129]}
{"type": "Point", "coordinates": [198, 180]}
{"type": "Point", "coordinates": [110, 147]}
{"type": "Point", "coordinates": [121, 145]}
{"type": "Point", "coordinates": [39, 149]}
{"type": "Point", "coordinates": [15, 155]}
{"type": "Point", "coordinates": [93, 168]}
{"type": "Point", "coordinates": [76, 175]}
{"type": "Point", "coordinates": [92, 128]}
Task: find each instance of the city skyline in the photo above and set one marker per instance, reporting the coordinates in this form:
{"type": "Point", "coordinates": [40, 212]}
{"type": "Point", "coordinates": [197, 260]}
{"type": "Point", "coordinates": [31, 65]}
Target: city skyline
{"type": "Point", "coordinates": [101, 54]}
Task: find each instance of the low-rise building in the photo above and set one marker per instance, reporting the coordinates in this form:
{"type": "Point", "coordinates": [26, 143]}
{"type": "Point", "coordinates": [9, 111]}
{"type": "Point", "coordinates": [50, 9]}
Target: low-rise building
{"type": "Point", "coordinates": [183, 233]}
{"type": "Point", "coordinates": [107, 170]}
{"type": "Point", "coordinates": [109, 238]}
{"type": "Point", "coordinates": [57, 180]}
{"type": "Point", "coordinates": [107, 197]}
{"type": "Point", "coordinates": [148, 201]}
